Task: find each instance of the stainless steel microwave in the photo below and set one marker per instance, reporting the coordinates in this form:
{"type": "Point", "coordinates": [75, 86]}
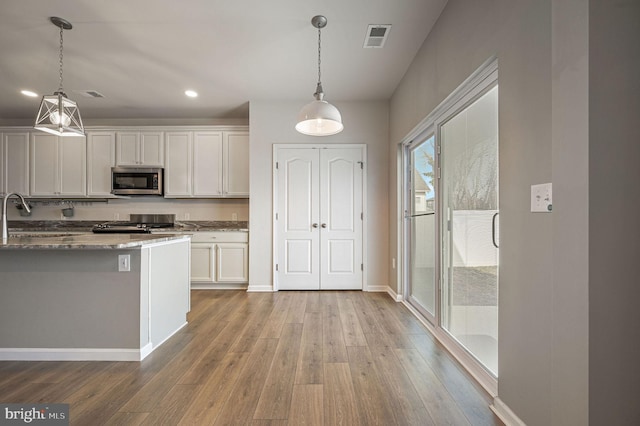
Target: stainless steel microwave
{"type": "Point", "coordinates": [136, 181]}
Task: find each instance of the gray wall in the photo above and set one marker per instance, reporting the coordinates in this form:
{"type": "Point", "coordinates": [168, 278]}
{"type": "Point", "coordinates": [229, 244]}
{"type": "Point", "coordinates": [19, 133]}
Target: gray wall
{"type": "Point", "coordinates": [543, 322]}
{"type": "Point", "coordinates": [614, 199]}
{"type": "Point", "coordinates": [273, 123]}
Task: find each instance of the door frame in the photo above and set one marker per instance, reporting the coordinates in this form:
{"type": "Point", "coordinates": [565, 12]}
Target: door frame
{"type": "Point", "coordinates": [478, 83]}
{"type": "Point", "coordinates": [274, 203]}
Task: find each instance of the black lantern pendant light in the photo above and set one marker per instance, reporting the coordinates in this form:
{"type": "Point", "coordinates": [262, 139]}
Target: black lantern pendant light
{"type": "Point", "coordinates": [319, 118]}
{"type": "Point", "coordinates": [58, 114]}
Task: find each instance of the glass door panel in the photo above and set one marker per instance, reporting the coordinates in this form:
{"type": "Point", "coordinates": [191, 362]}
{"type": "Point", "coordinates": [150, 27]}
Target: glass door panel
{"type": "Point", "coordinates": [469, 197]}
{"type": "Point", "coordinates": [422, 228]}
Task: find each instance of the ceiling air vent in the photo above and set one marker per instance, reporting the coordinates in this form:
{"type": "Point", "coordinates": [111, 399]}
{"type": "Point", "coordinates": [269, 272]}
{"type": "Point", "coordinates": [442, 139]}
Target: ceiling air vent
{"type": "Point", "coordinates": [376, 36]}
{"type": "Point", "coordinates": [89, 93]}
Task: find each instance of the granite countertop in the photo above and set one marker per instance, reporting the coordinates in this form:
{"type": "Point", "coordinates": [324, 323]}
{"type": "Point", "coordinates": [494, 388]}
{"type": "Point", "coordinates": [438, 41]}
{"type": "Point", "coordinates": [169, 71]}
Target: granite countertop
{"type": "Point", "coordinates": [210, 225]}
{"type": "Point", "coordinates": [87, 225]}
{"type": "Point", "coordinates": [85, 241]}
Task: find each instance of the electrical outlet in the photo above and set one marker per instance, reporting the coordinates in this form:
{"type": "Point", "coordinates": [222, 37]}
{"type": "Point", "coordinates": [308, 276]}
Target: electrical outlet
{"type": "Point", "coordinates": [541, 200]}
{"type": "Point", "coordinates": [393, 263]}
{"type": "Point", "coordinates": [124, 263]}
{"type": "Point", "coordinates": [234, 217]}
{"type": "Point", "coordinates": [187, 216]}
{"type": "Point", "coordinates": [116, 216]}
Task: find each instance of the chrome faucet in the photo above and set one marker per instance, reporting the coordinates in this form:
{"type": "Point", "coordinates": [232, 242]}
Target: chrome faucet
{"type": "Point", "coordinates": [5, 228]}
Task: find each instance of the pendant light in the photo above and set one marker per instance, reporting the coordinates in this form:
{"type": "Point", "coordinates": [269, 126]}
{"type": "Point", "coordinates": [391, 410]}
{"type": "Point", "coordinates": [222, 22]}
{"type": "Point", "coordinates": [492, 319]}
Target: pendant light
{"type": "Point", "coordinates": [319, 118]}
{"type": "Point", "coordinates": [58, 114]}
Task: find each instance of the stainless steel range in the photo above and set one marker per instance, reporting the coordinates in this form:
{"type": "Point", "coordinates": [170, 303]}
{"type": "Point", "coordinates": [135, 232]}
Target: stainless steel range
{"type": "Point", "coordinates": [137, 224]}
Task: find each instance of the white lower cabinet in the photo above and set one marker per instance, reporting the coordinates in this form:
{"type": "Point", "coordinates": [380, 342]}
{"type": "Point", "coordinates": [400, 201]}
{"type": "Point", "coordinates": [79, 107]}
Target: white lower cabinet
{"type": "Point", "coordinates": [219, 258]}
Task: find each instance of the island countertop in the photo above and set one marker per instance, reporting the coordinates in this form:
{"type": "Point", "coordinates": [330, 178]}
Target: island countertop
{"type": "Point", "coordinates": [87, 225]}
{"type": "Point", "coordinates": [88, 241]}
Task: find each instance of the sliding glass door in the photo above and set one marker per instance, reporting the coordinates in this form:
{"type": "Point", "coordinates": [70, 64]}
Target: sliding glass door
{"type": "Point", "coordinates": [469, 209]}
{"type": "Point", "coordinates": [451, 221]}
{"type": "Point", "coordinates": [421, 226]}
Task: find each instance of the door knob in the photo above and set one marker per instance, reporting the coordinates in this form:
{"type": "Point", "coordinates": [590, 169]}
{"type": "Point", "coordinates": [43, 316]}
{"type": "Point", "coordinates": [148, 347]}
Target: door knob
{"type": "Point", "coordinates": [315, 225]}
{"type": "Point", "coordinates": [324, 225]}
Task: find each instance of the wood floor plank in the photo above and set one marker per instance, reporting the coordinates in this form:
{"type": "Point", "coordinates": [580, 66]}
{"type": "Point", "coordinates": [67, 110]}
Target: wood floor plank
{"type": "Point", "coordinates": [172, 407]}
{"type": "Point", "coordinates": [313, 302]}
{"type": "Point", "coordinates": [244, 396]}
{"type": "Point", "coordinates": [214, 393]}
{"type": "Point", "coordinates": [334, 347]}
{"type": "Point", "coordinates": [389, 323]}
{"type": "Point", "coordinates": [253, 325]}
{"type": "Point", "coordinates": [470, 397]}
{"type": "Point", "coordinates": [371, 396]}
{"type": "Point", "coordinates": [85, 403]}
{"type": "Point", "coordinates": [409, 322]}
{"type": "Point", "coordinates": [351, 329]}
{"type": "Point", "coordinates": [340, 407]}
{"type": "Point", "coordinates": [275, 321]}
{"type": "Point", "coordinates": [127, 419]}
{"type": "Point", "coordinates": [275, 399]}
{"type": "Point", "coordinates": [430, 390]}
{"type": "Point", "coordinates": [307, 405]}
{"type": "Point", "coordinates": [309, 368]}
{"type": "Point", "coordinates": [297, 308]}
{"type": "Point", "coordinates": [406, 404]}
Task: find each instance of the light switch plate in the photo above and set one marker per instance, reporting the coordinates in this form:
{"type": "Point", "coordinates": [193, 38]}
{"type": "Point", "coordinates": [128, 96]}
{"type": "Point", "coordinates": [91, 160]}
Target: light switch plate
{"type": "Point", "coordinates": [541, 199]}
{"type": "Point", "coordinates": [124, 263]}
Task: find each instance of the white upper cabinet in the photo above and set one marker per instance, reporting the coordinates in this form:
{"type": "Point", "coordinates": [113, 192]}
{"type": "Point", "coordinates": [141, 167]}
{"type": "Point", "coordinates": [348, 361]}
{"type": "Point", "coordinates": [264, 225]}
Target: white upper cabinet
{"type": "Point", "coordinates": [236, 164]}
{"type": "Point", "coordinates": [207, 164]}
{"type": "Point", "coordinates": [140, 149]}
{"type": "Point", "coordinates": [57, 166]}
{"type": "Point", "coordinates": [14, 162]}
{"type": "Point", "coordinates": [178, 164]}
{"type": "Point", "coordinates": [101, 156]}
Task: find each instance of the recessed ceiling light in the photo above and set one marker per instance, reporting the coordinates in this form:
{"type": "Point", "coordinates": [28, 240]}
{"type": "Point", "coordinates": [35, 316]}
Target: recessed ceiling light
{"type": "Point", "coordinates": [191, 93]}
{"type": "Point", "coordinates": [29, 93]}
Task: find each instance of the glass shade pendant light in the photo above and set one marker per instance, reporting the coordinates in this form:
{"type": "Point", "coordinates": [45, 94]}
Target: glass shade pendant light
{"type": "Point", "coordinates": [319, 118]}
{"type": "Point", "coordinates": [58, 114]}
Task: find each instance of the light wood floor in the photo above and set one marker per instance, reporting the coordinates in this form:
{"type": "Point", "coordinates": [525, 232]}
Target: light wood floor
{"type": "Point", "coordinates": [287, 358]}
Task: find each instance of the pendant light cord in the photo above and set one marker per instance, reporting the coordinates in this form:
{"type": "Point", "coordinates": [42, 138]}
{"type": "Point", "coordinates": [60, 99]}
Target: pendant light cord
{"type": "Point", "coordinates": [60, 89]}
{"type": "Point", "coordinates": [319, 61]}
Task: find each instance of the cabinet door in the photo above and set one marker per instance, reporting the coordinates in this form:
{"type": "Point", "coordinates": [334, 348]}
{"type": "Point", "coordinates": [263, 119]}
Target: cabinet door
{"type": "Point", "coordinates": [152, 149]}
{"type": "Point", "coordinates": [202, 262]}
{"type": "Point", "coordinates": [101, 156]}
{"type": "Point", "coordinates": [72, 166]}
{"type": "Point", "coordinates": [44, 165]}
{"type": "Point", "coordinates": [178, 167]}
{"type": "Point", "coordinates": [207, 164]}
{"type": "Point", "coordinates": [14, 163]}
{"type": "Point", "coordinates": [127, 147]}
{"type": "Point", "coordinates": [236, 164]}
{"type": "Point", "coordinates": [232, 262]}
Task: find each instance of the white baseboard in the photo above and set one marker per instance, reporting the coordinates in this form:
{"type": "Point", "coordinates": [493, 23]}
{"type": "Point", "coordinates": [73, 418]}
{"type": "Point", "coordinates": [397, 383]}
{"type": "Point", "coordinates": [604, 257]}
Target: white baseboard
{"type": "Point", "coordinates": [505, 414]}
{"type": "Point", "coordinates": [81, 354]}
{"type": "Point", "coordinates": [228, 286]}
{"type": "Point", "coordinates": [378, 289]}
{"type": "Point", "coordinates": [73, 354]}
{"type": "Point", "coordinates": [260, 289]}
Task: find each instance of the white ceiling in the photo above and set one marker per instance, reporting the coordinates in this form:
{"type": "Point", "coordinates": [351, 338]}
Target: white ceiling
{"type": "Point", "coordinates": [143, 54]}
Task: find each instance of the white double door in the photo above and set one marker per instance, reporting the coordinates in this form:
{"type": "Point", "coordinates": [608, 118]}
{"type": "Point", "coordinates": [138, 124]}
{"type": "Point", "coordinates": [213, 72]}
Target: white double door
{"type": "Point", "coordinates": [319, 217]}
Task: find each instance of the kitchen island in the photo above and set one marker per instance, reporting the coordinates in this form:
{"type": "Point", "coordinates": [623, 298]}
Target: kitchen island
{"type": "Point", "coordinates": [86, 296]}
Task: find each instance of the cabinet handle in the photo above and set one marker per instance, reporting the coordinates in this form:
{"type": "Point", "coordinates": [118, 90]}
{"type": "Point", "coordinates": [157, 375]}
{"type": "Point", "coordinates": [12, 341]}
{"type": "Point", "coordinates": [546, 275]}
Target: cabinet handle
{"type": "Point", "coordinates": [315, 225]}
{"type": "Point", "coordinates": [324, 225]}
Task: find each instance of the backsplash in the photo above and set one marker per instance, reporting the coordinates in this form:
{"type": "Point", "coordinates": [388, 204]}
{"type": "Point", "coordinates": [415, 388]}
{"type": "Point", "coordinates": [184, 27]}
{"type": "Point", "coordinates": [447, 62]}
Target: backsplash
{"type": "Point", "coordinates": [120, 209]}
